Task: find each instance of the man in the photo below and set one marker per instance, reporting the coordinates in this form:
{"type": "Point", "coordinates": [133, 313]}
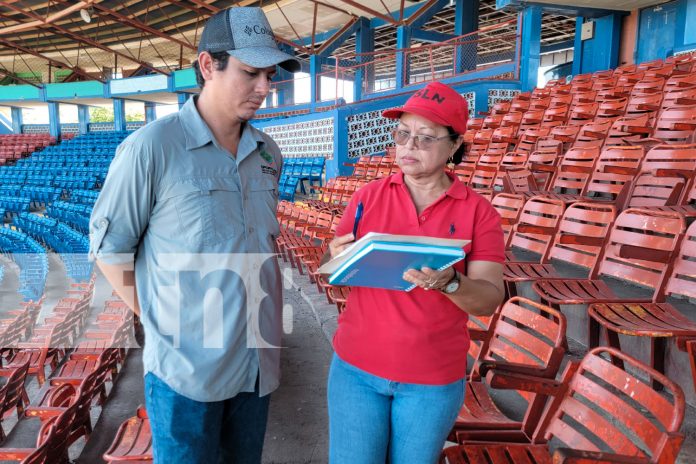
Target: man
{"type": "Point", "coordinates": [190, 200]}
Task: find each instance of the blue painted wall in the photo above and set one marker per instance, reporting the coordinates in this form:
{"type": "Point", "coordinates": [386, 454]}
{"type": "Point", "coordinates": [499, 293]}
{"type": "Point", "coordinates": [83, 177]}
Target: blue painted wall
{"type": "Point", "coordinates": [602, 51]}
{"type": "Point", "coordinates": [690, 19]}
{"type": "Point", "coordinates": [666, 29]}
{"type": "Point", "coordinates": [657, 29]}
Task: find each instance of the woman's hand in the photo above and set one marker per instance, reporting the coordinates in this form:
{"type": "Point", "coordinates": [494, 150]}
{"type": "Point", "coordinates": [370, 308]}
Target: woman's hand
{"type": "Point", "coordinates": [338, 244]}
{"type": "Point", "coordinates": [429, 279]}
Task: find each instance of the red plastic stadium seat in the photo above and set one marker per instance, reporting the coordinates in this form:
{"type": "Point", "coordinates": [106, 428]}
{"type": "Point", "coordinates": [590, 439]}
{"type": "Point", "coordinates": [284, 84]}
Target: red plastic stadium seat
{"type": "Point", "coordinates": [526, 337]}
{"type": "Point", "coordinates": [627, 421]}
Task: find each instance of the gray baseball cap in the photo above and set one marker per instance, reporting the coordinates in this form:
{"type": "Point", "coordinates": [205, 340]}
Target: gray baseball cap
{"type": "Point", "coordinates": [244, 33]}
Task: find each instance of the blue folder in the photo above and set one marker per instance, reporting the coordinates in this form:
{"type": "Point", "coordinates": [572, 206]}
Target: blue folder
{"type": "Point", "coordinates": [381, 264]}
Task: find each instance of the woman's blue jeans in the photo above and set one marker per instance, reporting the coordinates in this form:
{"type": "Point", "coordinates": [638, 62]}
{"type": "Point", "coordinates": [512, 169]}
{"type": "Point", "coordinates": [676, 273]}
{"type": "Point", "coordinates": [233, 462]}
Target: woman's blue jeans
{"type": "Point", "coordinates": [374, 420]}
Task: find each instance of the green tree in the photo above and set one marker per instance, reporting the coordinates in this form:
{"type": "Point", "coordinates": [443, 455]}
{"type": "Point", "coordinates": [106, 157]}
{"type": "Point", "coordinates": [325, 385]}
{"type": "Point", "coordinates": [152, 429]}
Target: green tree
{"type": "Point", "coordinates": [101, 114]}
{"type": "Point", "coordinates": [135, 117]}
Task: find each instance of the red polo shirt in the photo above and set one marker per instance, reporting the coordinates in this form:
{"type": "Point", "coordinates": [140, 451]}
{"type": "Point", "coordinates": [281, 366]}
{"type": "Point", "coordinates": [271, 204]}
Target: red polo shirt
{"type": "Point", "coordinates": [418, 336]}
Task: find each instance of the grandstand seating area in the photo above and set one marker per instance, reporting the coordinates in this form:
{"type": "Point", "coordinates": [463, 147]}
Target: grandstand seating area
{"type": "Point", "coordinates": [598, 172]}
{"type": "Point", "coordinates": [297, 170]}
{"type": "Point", "coordinates": [590, 357]}
{"type": "Point", "coordinates": [17, 146]}
{"type": "Point", "coordinates": [48, 197]}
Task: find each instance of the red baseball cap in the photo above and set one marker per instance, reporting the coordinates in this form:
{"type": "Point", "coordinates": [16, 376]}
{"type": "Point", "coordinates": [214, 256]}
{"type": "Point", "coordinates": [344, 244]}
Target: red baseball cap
{"type": "Point", "coordinates": [437, 102]}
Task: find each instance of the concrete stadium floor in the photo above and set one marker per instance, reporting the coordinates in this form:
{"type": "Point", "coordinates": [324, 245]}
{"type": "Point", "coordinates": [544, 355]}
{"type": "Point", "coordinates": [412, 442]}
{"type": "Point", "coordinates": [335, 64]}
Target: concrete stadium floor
{"type": "Point", "coordinates": [298, 423]}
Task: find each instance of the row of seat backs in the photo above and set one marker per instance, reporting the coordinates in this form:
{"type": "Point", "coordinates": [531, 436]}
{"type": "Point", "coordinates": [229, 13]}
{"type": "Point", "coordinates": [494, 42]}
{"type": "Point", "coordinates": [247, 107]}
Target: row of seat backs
{"type": "Point", "coordinates": [646, 247]}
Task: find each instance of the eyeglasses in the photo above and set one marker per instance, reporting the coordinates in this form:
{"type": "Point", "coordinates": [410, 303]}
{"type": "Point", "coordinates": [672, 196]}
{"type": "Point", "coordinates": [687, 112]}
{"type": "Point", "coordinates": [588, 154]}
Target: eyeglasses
{"type": "Point", "coordinates": [421, 141]}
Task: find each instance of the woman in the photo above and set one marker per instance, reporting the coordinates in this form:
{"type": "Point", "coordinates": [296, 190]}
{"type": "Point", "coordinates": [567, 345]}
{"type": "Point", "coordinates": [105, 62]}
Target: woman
{"type": "Point", "coordinates": [396, 380]}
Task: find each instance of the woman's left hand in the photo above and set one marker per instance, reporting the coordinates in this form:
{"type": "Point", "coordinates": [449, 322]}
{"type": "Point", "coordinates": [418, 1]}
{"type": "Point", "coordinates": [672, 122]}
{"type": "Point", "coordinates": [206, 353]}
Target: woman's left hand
{"type": "Point", "coordinates": [429, 279]}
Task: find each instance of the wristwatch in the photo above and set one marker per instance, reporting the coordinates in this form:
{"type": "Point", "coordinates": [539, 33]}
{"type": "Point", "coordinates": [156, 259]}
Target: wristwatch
{"type": "Point", "coordinates": [451, 286]}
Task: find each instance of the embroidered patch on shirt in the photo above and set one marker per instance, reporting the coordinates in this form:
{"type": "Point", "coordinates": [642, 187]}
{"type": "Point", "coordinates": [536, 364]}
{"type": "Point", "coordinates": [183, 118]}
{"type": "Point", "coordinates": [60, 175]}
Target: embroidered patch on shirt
{"type": "Point", "coordinates": [269, 170]}
{"type": "Point", "coordinates": [267, 157]}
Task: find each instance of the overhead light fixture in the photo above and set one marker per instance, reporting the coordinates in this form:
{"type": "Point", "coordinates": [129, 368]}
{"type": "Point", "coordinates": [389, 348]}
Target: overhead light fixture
{"type": "Point", "coordinates": [84, 14]}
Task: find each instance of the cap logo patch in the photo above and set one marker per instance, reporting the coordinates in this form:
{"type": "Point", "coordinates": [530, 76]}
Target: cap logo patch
{"type": "Point", "coordinates": [258, 29]}
{"type": "Point", "coordinates": [424, 94]}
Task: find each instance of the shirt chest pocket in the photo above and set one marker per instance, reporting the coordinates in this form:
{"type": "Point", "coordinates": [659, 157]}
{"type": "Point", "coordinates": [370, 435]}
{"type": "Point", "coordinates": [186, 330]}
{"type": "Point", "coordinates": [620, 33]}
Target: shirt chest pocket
{"type": "Point", "coordinates": [264, 194]}
{"type": "Point", "coordinates": [207, 210]}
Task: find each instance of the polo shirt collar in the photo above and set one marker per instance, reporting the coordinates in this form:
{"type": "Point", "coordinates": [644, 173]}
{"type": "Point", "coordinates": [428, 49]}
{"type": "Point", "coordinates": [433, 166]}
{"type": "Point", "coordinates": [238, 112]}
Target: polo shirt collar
{"type": "Point", "coordinates": [198, 134]}
{"type": "Point", "coordinates": [457, 190]}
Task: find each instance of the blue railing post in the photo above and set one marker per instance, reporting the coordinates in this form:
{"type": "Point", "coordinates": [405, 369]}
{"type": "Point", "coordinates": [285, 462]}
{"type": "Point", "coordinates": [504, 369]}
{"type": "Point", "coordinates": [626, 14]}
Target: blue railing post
{"type": "Point", "coordinates": [119, 114]}
{"type": "Point", "coordinates": [54, 119]}
{"type": "Point", "coordinates": [150, 112]}
{"type": "Point", "coordinates": [465, 22]}
{"type": "Point", "coordinates": [364, 43]}
{"type": "Point", "coordinates": [403, 41]}
{"type": "Point", "coordinates": [83, 119]}
{"type": "Point", "coordinates": [17, 120]}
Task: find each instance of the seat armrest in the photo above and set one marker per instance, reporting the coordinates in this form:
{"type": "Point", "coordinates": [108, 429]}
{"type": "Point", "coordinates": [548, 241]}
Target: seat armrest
{"type": "Point", "coordinates": [502, 379]}
{"type": "Point", "coordinates": [515, 368]}
{"type": "Point", "coordinates": [532, 229]}
{"type": "Point", "coordinates": [574, 456]}
{"type": "Point", "coordinates": [683, 173]}
{"type": "Point", "coordinates": [572, 239]}
{"type": "Point", "coordinates": [645, 254]}
{"type": "Point", "coordinates": [623, 170]}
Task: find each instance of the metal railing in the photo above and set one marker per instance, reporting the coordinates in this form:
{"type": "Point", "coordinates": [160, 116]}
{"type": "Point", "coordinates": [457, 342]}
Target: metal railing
{"type": "Point", "coordinates": [376, 72]}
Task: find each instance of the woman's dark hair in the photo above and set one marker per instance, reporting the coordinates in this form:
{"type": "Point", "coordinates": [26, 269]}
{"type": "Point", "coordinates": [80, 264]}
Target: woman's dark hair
{"type": "Point", "coordinates": [458, 155]}
{"type": "Point", "coordinates": [219, 58]}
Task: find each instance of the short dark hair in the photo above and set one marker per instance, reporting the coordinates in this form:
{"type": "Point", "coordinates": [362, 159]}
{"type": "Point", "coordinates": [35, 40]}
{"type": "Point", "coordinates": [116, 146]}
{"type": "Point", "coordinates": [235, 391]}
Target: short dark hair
{"type": "Point", "coordinates": [458, 155]}
{"type": "Point", "coordinates": [219, 58]}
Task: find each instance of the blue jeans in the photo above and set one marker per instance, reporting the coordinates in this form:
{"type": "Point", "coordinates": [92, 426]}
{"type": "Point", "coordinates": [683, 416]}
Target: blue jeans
{"type": "Point", "coordinates": [192, 432]}
{"type": "Point", "coordinates": [374, 420]}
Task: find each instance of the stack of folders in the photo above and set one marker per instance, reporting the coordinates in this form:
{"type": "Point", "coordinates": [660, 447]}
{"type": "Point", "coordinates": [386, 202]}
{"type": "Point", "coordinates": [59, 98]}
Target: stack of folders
{"type": "Point", "coordinates": [380, 260]}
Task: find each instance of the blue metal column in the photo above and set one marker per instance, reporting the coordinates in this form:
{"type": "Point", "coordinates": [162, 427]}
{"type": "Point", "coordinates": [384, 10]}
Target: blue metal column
{"type": "Point", "coordinates": [611, 37]}
{"type": "Point", "coordinates": [480, 101]}
{"type": "Point", "coordinates": [314, 84]}
{"type": "Point", "coordinates": [17, 120]}
{"type": "Point", "coordinates": [334, 167]}
{"type": "Point", "coordinates": [403, 40]}
{"type": "Point", "coordinates": [182, 98]}
{"type": "Point", "coordinates": [83, 119]}
{"type": "Point", "coordinates": [54, 119]}
{"type": "Point", "coordinates": [466, 21]}
{"type": "Point", "coordinates": [577, 48]}
{"type": "Point", "coordinates": [530, 47]}
{"type": "Point", "coordinates": [286, 92]}
{"type": "Point", "coordinates": [364, 43]}
{"type": "Point", "coordinates": [150, 112]}
{"type": "Point", "coordinates": [119, 114]}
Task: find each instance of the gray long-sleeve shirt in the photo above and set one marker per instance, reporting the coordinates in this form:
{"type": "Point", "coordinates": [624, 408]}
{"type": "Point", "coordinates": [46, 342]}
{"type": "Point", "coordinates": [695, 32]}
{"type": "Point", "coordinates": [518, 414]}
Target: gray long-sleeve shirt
{"type": "Point", "coordinates": [200, 225]}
